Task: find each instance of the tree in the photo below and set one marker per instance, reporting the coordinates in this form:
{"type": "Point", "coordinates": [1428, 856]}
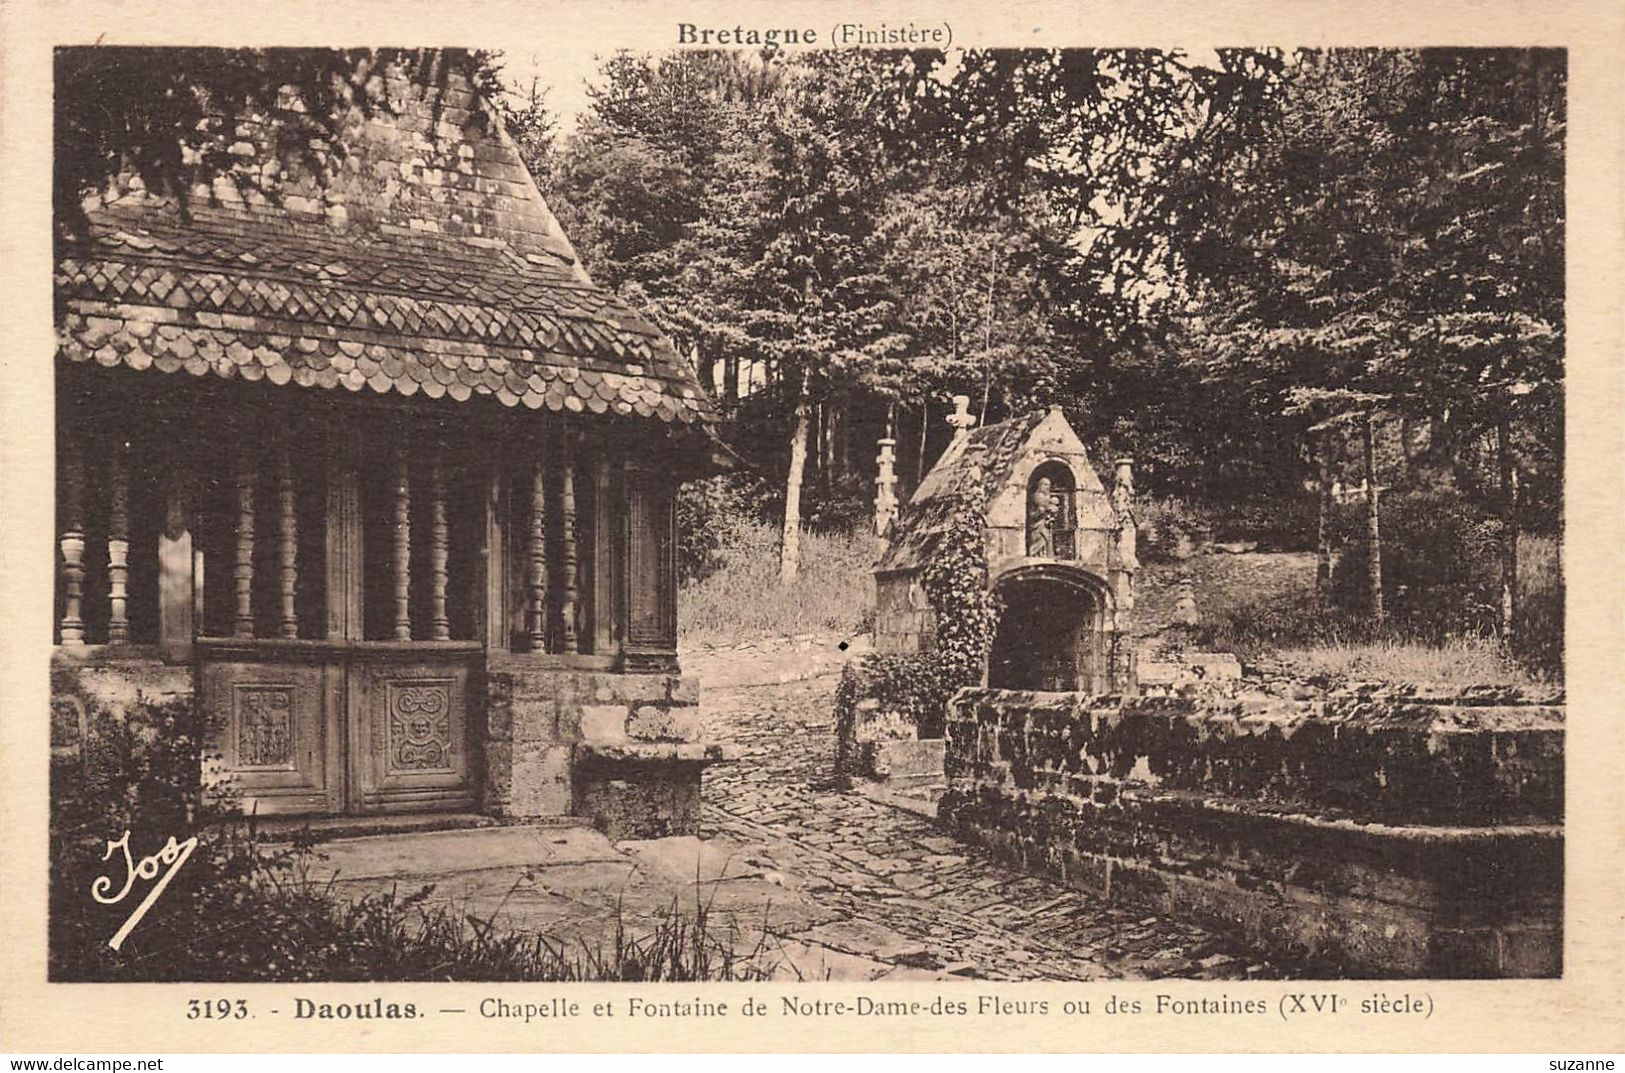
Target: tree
{"type": "Point", "coordinates": [167, 116]}
{"type": "Point", "coordinates": [1395, 232]}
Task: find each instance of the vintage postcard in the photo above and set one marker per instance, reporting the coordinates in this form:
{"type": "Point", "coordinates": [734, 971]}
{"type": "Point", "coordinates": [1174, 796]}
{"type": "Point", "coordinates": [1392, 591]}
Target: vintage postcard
{"type": "Point", "coordinates": [668, 526]}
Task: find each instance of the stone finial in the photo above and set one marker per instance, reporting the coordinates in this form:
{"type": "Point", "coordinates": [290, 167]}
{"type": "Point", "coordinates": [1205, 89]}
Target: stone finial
{"type": "Point", "coordinates": [961, 420]}
{"type": "Point", "coordinates": [885, 486]}
{"type": "Point", "coordinates": [1124, 468]}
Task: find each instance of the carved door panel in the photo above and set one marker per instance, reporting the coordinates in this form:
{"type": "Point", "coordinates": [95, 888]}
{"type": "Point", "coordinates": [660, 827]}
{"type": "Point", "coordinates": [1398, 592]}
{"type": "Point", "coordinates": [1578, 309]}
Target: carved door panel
{"type": "Point", "coordinates": [276, 728]}
{"type": "Point", "coordinates": [409, 740]}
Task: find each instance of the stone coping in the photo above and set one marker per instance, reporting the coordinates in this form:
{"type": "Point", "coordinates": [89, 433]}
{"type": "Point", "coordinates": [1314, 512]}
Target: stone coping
{"type": "Point", "coordinates": [1396, 762]}
{"type": "Point", "coordinates": [1420, 835]}
{"type": "Point", "coordinates": [656, 752]}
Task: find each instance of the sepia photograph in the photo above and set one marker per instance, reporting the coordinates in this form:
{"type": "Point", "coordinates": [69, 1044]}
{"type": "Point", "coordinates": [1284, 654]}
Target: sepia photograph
{"type": "Point", "coordinates": [807, 514]}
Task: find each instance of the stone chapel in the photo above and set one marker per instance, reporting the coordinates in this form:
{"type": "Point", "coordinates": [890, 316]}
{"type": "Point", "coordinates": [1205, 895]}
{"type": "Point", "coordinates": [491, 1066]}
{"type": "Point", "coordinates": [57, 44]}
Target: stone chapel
{"type": "Point", "coordinates": [370, 468]}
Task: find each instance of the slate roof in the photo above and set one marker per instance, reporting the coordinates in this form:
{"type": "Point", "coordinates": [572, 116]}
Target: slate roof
{"type": "Point", "coordinates": [433, 266]}
{"type": "Point", "coordinates": [978, 465]}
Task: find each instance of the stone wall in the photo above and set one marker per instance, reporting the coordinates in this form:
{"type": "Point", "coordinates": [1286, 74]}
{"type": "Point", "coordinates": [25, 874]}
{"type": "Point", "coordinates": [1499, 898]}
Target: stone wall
{"type": "Point", "coordinates": [1402, 833]}
{"type": "Point", "coordinates": [904, 621]}
{"type": "Point", "coordinates": [115, 680]}
{"type": "Point", "coordinates": [622, 749]}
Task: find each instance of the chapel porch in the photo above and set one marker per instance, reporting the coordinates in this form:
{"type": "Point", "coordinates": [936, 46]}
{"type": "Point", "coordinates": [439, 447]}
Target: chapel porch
{"type": "Point", "coordinates": [384, 604]}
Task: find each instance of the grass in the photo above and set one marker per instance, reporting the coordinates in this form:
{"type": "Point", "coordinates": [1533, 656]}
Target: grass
{"type": "Point", "coordinates": [743, 600]}
{"type": "Point", "coordinates": [1458, 661]}
{"type": "Point", "coordinates": [1261, 607]}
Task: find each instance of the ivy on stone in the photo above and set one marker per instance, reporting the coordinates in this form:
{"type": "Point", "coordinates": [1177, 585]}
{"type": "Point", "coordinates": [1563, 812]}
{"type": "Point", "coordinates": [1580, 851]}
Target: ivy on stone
{"type": "Point", "coordinates": [917, 687]}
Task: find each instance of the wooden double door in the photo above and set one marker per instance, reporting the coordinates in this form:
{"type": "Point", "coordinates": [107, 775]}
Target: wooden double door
{"type": "Point", "coordinates": [314, 727]}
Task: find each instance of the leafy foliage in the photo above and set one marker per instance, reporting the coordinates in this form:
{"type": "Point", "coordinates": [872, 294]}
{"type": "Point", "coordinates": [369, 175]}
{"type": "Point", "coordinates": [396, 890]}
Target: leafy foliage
{"type": "Point", "coordinates": [917, 687]}
{"type": "Point", "coordinates": [1440, 564]}
{"type": "Point", "coordinates": [712, 516]}
{"type": "Point", "coordinates": [168, 117]}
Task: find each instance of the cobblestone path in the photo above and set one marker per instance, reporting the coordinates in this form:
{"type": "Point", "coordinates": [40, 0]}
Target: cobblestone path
{"type": "Point", "coordinates": [905, 893]}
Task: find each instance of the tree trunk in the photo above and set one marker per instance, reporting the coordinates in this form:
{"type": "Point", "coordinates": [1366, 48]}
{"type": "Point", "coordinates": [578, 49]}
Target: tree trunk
{"type": "Point", "coordinates": [1509, 530]}
{"type": "Point", "coordinates": [790, 542]}
{"type": "Point", "coordinates": [1323, 518]}
{"type": "Point", "coordinates": [822, 413]}
{"type": "Point", "coordinates": [730, 378]}
{"type": "Point", "coordinates": [843, 443]}
{"type": "Point", "coordinates": [1373, 534]}
{"type": "Point", "coordinates": [707, 367]}
{"type": "Point", "coordinates": [919, 459]}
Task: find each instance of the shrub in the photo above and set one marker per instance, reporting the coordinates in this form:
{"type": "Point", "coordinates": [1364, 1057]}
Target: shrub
{"type": "Point", "coordinates": [1538, 629]}
{"type": "Point", "coordinates": [1259, 629]}
{"type": "Point", "coordinates": [1440, 564]}
{"type": "Point", "coordinates": [1162, 522]}
{"type": "Point", "coordinates": [1458, 661]}
{"type": "Point", "coordinates": [1286, 524]}
{"type": "Point", "coordinates": [141, 772]}
{"type": "Point", "coordinates": [1275, 524]}
{"type": "Point", "coordinates": [712, 515]}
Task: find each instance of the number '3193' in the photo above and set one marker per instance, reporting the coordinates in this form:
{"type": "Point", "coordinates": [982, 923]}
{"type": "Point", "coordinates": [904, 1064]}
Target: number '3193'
{"type": "Point", "coordinates": [220, 1009]}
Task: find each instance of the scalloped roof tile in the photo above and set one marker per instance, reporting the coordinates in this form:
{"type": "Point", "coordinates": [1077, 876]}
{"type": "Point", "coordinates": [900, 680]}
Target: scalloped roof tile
{"type": "Point", "coordinates": [459, 287]}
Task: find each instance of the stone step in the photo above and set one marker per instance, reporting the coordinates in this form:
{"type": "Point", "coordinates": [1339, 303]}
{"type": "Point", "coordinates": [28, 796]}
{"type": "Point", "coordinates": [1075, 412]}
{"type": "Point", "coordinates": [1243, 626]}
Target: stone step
{"type": "Point", "coordinates": [283, 829]}
{"type": "Point", "coordinates": [432, 854]}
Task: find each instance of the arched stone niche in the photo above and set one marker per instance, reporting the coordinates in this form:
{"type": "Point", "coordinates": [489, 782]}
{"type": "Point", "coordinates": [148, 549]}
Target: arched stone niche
{"type": "Point", "coordinates": [1052, 633]}
{"type": "Point", "coordinates": [1052, 511]}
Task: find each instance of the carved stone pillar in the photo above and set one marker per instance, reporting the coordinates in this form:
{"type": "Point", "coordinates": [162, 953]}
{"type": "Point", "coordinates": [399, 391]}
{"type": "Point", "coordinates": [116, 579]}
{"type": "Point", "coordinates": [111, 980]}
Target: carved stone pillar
{"type": "Point", "coordinates": [72, 543]}
{"type": "Point", "coordinates": [243, 572]}
{"type": "Point", "coordinates": [567, 562]}
{"type": "Point", "coordinates": [651, 572]}
{"type": "Point", "coordinates": [439, 624]}
{"type": "Point", "coordinates": [118, 544]}
{"type": "Point", "coordinates": [1186, 612]}
{"type": "Point", "coordinates": [403, 544]}
{"type": "Point", "coordinates": [536, 557]}
{"type": "Point", "coordinates": [1127, 537]}
{"type": "Point", "coordinates": [287, 543]}
{"type": "Point", "coordinates": [885, 486]}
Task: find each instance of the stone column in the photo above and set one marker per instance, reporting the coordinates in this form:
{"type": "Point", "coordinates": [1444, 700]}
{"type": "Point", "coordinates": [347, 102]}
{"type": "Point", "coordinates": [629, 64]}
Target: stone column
{"type": "Point", "coordinates": [1185, 610]}
{"type": "Point", "coordinates": [606, 564]}
{"type": "Point", "coordinates": [567, 545]}
{"type": "Point", "coordinates": [1127, 534]}
{"type": "Point", "coordinates": [495, 563]}
{"type": "Point", "coordinates": [536, 554]}
{"type": "Point", "coordinates": [343, 547]}
{"type": "Point", "coordinates": [176, 569]}
{"type": "Point", "coordinates": [885, 486]}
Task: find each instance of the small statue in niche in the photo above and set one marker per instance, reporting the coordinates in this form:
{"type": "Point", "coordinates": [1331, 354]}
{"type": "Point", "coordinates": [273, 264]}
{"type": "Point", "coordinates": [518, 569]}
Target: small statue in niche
{"type": "Point", "coordinates": [1042, 508]}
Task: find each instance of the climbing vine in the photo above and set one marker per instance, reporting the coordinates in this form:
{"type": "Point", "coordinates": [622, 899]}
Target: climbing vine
{"type": "Point", "coordinates": [955, 581]}
{"type": "Point", "coordinates": [916, 688]}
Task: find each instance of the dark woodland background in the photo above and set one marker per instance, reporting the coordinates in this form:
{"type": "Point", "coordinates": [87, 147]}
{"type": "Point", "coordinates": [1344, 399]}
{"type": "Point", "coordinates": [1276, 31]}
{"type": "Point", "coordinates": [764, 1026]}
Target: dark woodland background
{"type": "Point", "coordinates": [1265, 274]}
